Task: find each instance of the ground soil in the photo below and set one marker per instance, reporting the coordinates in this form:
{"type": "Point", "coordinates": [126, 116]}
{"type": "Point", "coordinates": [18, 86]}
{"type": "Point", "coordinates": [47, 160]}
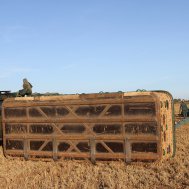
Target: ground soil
{"type": "Point", "coordinates": [172, 173]}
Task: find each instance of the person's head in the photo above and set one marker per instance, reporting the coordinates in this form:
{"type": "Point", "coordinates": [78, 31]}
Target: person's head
{"type": "Point", "coordinates": [25, 80]}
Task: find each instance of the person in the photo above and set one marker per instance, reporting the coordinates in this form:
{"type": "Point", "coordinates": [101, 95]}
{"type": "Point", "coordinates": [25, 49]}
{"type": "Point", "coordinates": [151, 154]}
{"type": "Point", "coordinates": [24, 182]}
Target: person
{"type": "Point", "coordinates": [27, 88]}
{"type": "Point", "coordinates": [183, 109]}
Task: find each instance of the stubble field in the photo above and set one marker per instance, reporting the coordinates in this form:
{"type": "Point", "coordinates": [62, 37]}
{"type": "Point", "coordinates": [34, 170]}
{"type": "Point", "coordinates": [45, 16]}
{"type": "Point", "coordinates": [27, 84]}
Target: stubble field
{"type": "Point", "coordinates": [172, 173]}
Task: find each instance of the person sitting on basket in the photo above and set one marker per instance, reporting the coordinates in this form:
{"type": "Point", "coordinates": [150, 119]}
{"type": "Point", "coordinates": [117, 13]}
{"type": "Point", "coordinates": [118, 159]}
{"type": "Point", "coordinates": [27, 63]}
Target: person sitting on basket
{"type": "Point", "coordinates": [27, 88]}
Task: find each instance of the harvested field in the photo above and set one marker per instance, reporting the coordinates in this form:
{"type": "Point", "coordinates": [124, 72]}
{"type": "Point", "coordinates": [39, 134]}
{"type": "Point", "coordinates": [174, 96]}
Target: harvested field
{"type": "Point", "coordinates": [172, 173]}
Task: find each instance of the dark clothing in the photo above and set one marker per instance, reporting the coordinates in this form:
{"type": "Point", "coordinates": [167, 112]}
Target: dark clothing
{"type": "Point", "coordinates": [183, 109]}
{"type": "Point", "coordinates": [24, 92]}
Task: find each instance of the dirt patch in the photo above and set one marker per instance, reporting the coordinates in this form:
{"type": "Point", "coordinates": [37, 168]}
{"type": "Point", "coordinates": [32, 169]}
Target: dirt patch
{"type": "Point", "coordinates": [172, 173]}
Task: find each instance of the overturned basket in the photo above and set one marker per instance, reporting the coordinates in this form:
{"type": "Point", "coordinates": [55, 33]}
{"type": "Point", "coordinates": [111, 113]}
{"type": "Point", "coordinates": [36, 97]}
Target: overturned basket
{"type": "Point", "coordinates": [107, 126]}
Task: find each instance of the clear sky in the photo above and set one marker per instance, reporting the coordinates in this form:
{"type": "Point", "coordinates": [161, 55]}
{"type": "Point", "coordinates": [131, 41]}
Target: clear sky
{"type": "Point", "coordinates": [85, 46]}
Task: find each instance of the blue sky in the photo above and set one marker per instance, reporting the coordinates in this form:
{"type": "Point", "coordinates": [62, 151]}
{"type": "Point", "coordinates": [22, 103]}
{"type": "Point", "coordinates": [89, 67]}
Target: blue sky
{"type": "Point", "coordinates": [82, 46]}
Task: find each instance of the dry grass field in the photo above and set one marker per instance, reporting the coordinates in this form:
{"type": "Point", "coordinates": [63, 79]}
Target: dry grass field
{"type": "Point", "coordinates": [172, 173]}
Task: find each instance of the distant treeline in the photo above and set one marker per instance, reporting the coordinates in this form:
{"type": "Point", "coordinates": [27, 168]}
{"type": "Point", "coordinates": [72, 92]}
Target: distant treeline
{"type": "Point", "coordinates": [46, 94]}
{"type": "Point", "coordinates": [179, 100]}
